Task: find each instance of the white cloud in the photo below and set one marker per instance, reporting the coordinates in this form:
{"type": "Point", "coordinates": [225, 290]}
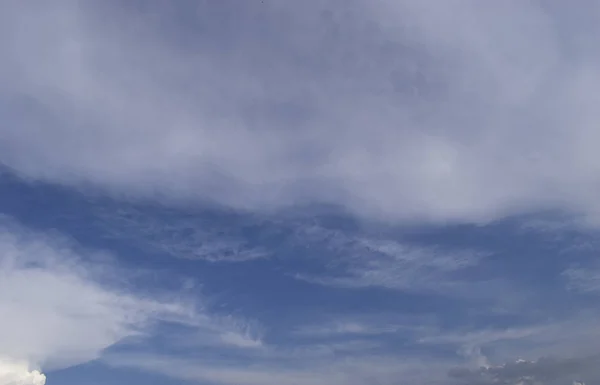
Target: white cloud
{"type": "Point", "coordinates": [401, 110]}
{"type": "Point", "coordinates": [62, 305]}
{"type": "Point", "coordinates": [12, 373]}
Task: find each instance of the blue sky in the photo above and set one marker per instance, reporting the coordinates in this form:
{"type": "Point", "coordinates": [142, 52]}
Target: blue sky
{"type": "Point", "coordinates": [299, 192]}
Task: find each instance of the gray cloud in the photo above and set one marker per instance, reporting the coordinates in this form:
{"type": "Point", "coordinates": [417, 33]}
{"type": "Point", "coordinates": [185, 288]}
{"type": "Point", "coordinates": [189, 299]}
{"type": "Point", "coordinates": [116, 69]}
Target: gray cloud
{"type": "Point", "coordinates": [400, 110]}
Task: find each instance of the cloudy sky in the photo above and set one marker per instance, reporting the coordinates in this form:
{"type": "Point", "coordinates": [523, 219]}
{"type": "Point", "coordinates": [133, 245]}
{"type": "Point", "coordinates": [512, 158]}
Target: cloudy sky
{"type": "Point", "coordinates": [320, 192]}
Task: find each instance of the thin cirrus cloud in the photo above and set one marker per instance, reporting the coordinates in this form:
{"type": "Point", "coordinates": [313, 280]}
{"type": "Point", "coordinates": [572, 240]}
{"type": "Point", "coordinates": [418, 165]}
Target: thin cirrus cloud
{"type": "Point", "coordinates": [396, 110]}
{"type": "Point", "coordinates": [321, 371]}
{"type": "Point", "coordinates": [172, 233]}
{"type": "Point", "coordinates": [359, 261]}
{"type": "Point", "coordinates": [361, 326]}
{"type": "Point", "coordinates": [352, 261]}
{"type": "Point", "coordinates": [585, 279]}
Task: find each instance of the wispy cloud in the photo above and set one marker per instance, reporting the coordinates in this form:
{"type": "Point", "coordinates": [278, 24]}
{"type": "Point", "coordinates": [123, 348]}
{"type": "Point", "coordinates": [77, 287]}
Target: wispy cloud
{"type": "Point", "coordinates": [583, 278]}
{"type": "Point", "coordinates": [358, 261]}
{"type": "Point", "coordinates": [345, 328]}
{"type": "Point", "coordinates": [179, 234]}
{"type": "Point", "coordinates": [381, 370]}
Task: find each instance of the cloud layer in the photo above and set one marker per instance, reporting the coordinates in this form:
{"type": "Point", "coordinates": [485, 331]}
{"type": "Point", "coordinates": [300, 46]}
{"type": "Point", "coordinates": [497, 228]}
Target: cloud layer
{"type": "Point", "coordinates": [398, 110]}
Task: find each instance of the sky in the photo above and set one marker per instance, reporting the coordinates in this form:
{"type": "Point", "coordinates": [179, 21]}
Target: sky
{"type": "Point", "coordinates": [318, 192]}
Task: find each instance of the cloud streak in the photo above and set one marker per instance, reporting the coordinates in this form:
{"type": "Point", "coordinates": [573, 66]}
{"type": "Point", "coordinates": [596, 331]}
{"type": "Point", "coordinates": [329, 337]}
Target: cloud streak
{"type": "Point", "coordinates": [362, 261]}
{"type": "Point", "coordinates": [384, 370]}
{"type": "Point", "coordinates": [181, 235]}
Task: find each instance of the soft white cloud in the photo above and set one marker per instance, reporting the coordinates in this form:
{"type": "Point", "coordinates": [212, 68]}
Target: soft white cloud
{"type": "Point", "coordinates": [13, 373]}
{"type": "Point", "coordinates": [62, 305]}
{"type": "Point", "coordinates": [409, 110]}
